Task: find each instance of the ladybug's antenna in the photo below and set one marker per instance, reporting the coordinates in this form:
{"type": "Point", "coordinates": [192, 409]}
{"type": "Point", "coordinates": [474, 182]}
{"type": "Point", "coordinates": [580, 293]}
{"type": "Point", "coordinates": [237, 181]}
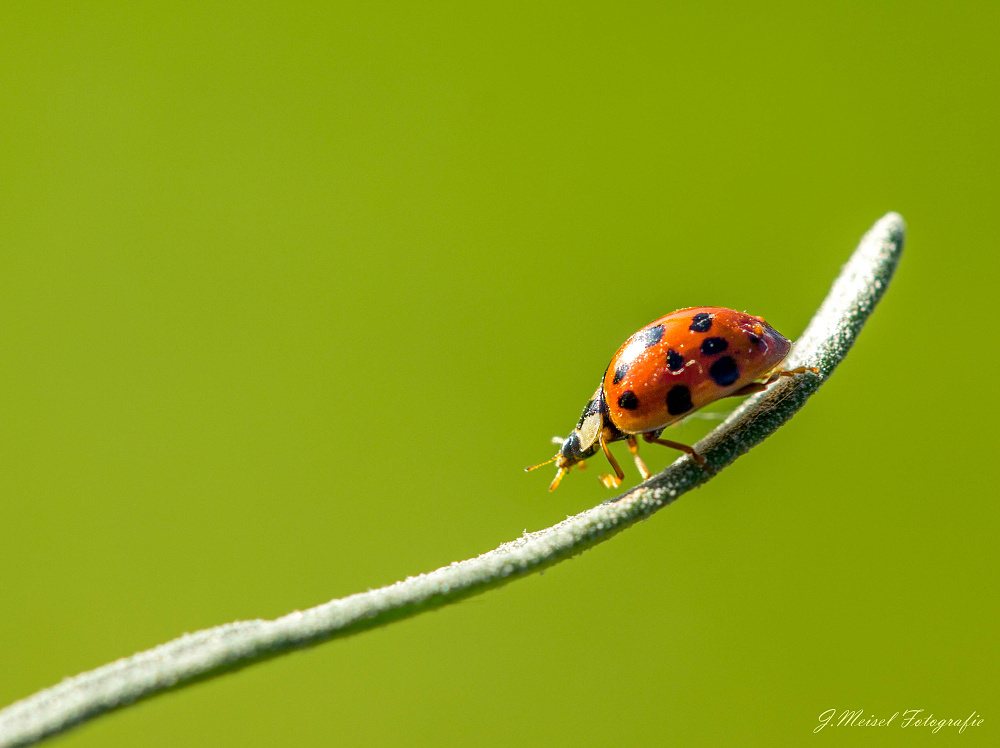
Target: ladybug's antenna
{"type": "Point", "coordinates": [541, 464]}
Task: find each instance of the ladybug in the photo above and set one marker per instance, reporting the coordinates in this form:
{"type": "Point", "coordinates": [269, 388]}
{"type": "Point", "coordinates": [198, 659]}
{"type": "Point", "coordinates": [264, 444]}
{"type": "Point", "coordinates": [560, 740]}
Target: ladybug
{"type": "Point", "coordinates": [666, 371]}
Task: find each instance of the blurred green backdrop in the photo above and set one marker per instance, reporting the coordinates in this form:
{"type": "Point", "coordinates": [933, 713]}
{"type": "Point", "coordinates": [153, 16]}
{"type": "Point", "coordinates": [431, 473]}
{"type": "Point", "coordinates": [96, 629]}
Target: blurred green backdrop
{"type": "Point", "coordinates": [290, 294]}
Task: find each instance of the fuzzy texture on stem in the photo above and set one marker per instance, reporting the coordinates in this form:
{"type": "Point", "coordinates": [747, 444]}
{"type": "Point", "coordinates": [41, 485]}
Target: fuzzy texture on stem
{"type": "Point", "coordinates": [208, 653]}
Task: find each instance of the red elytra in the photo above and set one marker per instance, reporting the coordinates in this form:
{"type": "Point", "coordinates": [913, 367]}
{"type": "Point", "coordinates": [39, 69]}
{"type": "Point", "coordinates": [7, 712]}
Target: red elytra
{"type": "Point", "coordinates": [666, 371]}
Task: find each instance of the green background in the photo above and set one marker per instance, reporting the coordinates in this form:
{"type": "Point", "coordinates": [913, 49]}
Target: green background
{"type": "Point", "coordinates": [290, 294]}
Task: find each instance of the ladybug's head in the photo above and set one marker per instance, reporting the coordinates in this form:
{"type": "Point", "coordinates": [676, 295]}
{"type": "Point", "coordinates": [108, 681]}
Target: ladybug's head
{"type": "Point", "coordinates": [582, 442]}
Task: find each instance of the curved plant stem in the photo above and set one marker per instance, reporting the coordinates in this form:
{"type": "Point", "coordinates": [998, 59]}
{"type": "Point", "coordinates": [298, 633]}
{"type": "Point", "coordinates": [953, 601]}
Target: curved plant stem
{"type": "Point", "coordinates": [211, 652]}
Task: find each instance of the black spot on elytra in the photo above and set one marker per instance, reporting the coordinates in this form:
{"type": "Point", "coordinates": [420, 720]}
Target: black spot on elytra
{"type": "Point", "coordinates": [724, 371]}
{"type": "Point", "coordinates": [713, 346]}
{"type": "Point", "coordinates": [650, 336]}
{"type": "Point", "coordinates": [675, 361]}
{"type": "Point", "coordinates": [628, 400]}
{"type": "Point", "coordinates": [678, 400]}
{"type": "Point", "coordinates": [592, 407]}
{"type": "Point", "coordinates": [620, 371]}
{"type": "Point", "coordinates": [701, 322]}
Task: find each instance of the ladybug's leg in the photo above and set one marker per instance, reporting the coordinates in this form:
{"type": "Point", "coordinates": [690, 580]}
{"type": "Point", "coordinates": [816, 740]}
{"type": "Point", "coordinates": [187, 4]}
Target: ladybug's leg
{"type": "Point", "coordinates": [610, 481]}
{"type": "Point", "coordinates": [633, 447]}
{"type": "Point", "coordinates": [790, 373]}
{"type": "Point", "coordinates": [677, 445]}
{"type": "Point", "coordinates": [800, 370]}
{"type": "Point", "coordinates": [754, 387]}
